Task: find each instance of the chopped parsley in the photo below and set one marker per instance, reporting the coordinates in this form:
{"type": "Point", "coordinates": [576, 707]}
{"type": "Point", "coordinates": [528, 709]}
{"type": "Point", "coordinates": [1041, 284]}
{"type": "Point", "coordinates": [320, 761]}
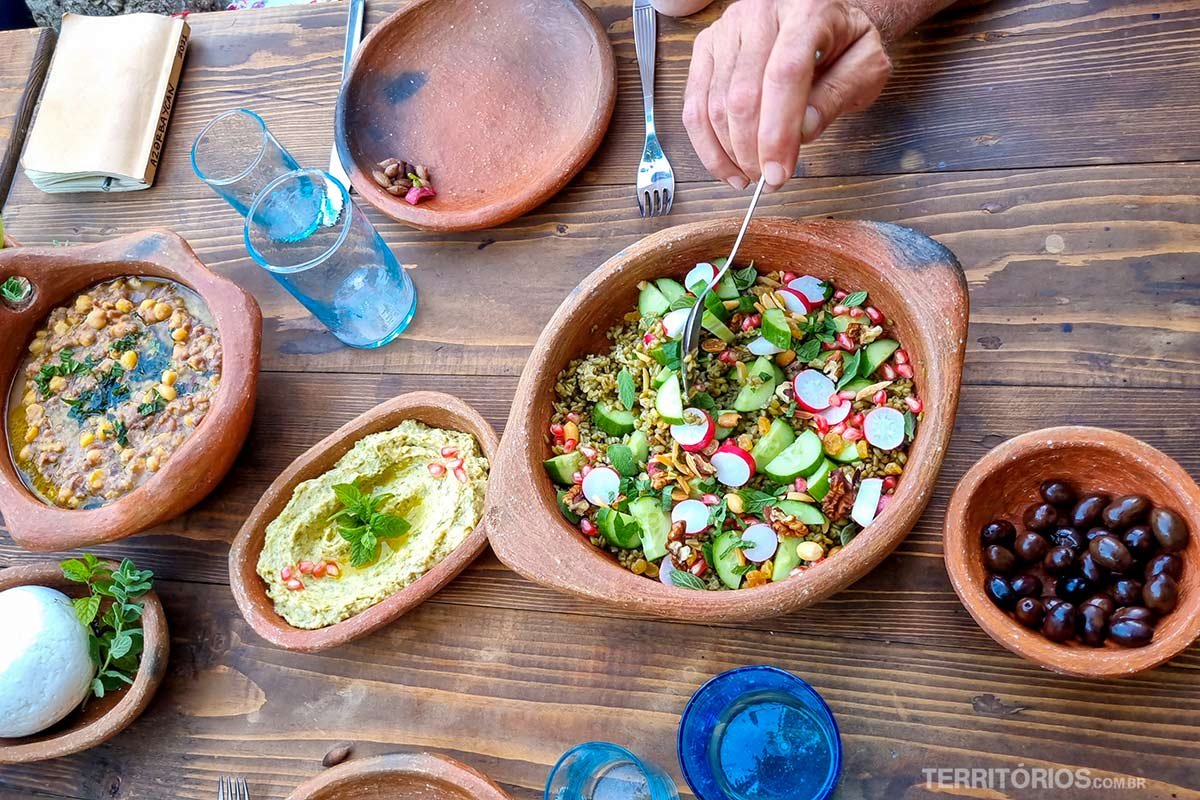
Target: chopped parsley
{"type": "Point", "coordinates": [66, 366]}
{"type": "Point", "coordinates": [108, 392]}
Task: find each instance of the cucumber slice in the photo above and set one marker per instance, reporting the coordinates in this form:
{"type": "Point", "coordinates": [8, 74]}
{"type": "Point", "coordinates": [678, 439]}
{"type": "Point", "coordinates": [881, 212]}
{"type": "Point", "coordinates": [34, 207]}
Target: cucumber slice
{"type": "Point", "coordinates": [818, 481]}
{"type": "Point", "coordinates": [619, 530]}
{"type": "Point", "coordinates": [775, 328]}
{"type": "Point", "coordinates": [652, 302]}
{"type": "Point", "coordinates": [856, 385]}
{"type": "Point", "coordinates": [655, 526]}
{"type": "Point", "coordinates": [669, 401]}
{"type": "Point", "coordinates": [670, 288]}
{"type": "Point", "coordinates": [716, 306]}
{"type": "Point", "coordinates": [727, 560]}
{"type": "Point", "coordinates": [806, 513]}
{"type": "Point", "coordinates": [773, 442]}
{"type": "Point", "coordinates": [786, 558]}
{"type": "Point", "coordinates": [622, 460]}
{"type": "Point", "coordinates": [778, 372]}
{"type": "Point", "coordinates": [848, 454]}
{"type": "Point", "coordinates": [562, 467]}
{"type": "Point", "coordinates": [661, 376]}
{"type": "Point", "coordinates": [639, 448]}
{"type": "Point", "coordinates": [799, 458]}
{"type": "Point", "coordinates": [875, 354]}
{"type": "Point", "coordinates": [571, 516]}
{"type": "Point", "coordinates": [758, 390]}
{"type": "Point", "coordinates": [613, 421]}
{"type": "Point", "coordinates": [842, 322]}
{"type": "Point", "coordinates": [726, 289]}
{"type": "Point", "coordinates": [710, 323]}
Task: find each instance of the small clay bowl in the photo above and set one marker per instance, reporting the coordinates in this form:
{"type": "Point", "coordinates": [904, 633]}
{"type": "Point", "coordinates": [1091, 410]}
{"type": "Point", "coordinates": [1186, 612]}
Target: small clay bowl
{"type": "Point", "coordinates": [58, 273]}
{"type": "Point", "coordinates": [401, 776]}
{"type": "Point", "coordinates": [503, 100]}
{"type": "Point", "coordinates": [102, 718]}
{"type": "Point", "coordinates": [432, 408]}
{"type": "Point", "coordinates": [915, 281]}
{"type": "Point", "coordinates": [1005, 482]}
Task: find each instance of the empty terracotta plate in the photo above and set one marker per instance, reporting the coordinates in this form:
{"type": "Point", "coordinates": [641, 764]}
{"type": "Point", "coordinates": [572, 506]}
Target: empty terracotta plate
{"type": "Point", "coordinates": [502, 100]}
{"type": "Point", "coordinates": [432, 408]}
{"type": "Point", "coordinates": [1005, 482]}
{"type": "Point", "coordinates": [103, 718]}
{"type": "Point", "coordinates": [915, 281]}
{"type": "Point", "coordinates": [402, 776]}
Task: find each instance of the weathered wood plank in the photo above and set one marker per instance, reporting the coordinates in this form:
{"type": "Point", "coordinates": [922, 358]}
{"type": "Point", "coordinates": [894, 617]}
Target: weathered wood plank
{"type": "Point", "coordinates": [23, 63]}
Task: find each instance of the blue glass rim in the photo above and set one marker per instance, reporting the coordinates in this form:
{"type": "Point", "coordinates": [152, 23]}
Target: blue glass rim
{"type": "Point", "coordinates": [699, 775]}
{"type": "Point", "coordinates": [616, 749]}
{"type": "Point", "coordinates": [262, 148]}
{"type": "Point", "coordinates": [316, 260]}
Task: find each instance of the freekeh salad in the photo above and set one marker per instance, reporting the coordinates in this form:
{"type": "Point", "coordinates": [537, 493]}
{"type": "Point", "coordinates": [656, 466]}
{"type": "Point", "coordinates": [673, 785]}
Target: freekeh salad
{"type": "Point", "coordinates": [794, 437]}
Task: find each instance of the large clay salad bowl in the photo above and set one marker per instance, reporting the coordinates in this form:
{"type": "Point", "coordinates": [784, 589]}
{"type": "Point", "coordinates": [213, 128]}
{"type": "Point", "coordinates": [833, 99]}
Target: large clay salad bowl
{"type": "Point", "coordinates": [58, 273]}
{"type": "Point", "coordinates": [914, 280]}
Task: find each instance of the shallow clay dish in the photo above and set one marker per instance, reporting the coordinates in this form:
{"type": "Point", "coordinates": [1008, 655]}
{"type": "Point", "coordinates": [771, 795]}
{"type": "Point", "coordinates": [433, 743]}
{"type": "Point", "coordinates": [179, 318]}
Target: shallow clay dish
{"type": "Point", "coordinates": [58, 273]}
{"type": "Point", "coordinates": [915, 281]}
{"type": "Point", "coordinates": [1005, 481]}
{"type": "Point", "coordinates": [503, 100]}
{"type": "Point", "coordinates": [402, 776]}
{"type": "Point", "coordinates": [102, 718]}
{"type": "Point", "coordinates": [434, 409]}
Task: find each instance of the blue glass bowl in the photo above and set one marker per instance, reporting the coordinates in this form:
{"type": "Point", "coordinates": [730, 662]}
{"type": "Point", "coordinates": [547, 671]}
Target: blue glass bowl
{"type": "Point", "coordinates": [605, 771]}
{"type": "Point", "coordinates": [759, 733]}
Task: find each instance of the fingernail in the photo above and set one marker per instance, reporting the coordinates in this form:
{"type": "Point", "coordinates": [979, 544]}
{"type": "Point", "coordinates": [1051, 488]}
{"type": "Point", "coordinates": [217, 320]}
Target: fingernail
{"type": "Point", "coordinates": [738, 182]}
{"type": "Point", "coordinates": [776, 173]}
{"type": "Point", "coordinates": [812, 121]}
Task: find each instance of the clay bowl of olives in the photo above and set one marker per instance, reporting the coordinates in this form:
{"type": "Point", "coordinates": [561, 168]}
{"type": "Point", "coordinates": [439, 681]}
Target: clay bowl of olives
{"type": "Point", "coordinates": [1079, 549]}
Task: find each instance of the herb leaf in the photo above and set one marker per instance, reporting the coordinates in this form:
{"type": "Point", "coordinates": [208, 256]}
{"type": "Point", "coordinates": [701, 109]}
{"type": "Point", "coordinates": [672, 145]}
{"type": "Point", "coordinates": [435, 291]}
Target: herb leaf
{"type": "Point", "coordinates": [740, 544]}
{"type": "Point", "coordinates": [745, 277]}
{"type": "Point", "coordinates": [855, 299]}
{"type": "Point", "coordinates": [14, 289]}
{"type": "Point", "coordinates": [626, 389]}
{"type": "Point", "coordinates": [850, 368]}
{"type": "Point", "coordinates": [686, 580]}
{"type": "Point", "coordinates": [910, 425]}
{"type": "Point", "coordinates": [362, 524]}
{"type": "Point", "coordinates": [755, 501]}
{"type": "Point", "coordinates": [108, 391]}
{"type": "Point", "coordinates": [808, 351]}
{"type": "Point", "coordinates": [66, 366]}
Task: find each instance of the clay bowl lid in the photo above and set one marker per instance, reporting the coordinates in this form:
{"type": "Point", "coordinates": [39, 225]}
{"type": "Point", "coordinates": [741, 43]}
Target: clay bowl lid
{"type": "Point", "coordinates": [102, 718]}
{"type": "Point", "coordinates": [915, 281]}
{"type": "Point", "coordinates": [57, 274]}
{"type": "Point", "coordinates": [503, 100]}
{"type": "Point", "coordinates": [432, 408]}
{"type": "Point", "coordinates": [402, 776]}
{"type": "Point", "coordinates": [1006, 480]}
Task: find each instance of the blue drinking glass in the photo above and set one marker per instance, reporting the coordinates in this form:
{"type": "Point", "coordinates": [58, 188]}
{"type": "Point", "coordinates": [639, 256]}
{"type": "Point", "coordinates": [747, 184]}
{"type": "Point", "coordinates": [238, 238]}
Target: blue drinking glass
{"type": "Point", "coordinates": [605, 771]}
{"type": "Point", "coordinates": [303, 229]}
{"type": "Point", "coordinates": [759, 733]}
{"type": "Point", "coordinates": [237, 156]}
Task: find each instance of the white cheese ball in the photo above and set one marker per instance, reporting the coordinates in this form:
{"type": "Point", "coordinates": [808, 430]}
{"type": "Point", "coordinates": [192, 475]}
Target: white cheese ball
{"type": "Point", "coordinates": [45, 668]}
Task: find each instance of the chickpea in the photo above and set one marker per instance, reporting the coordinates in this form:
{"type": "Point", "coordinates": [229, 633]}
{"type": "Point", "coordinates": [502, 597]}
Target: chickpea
{"type": "Point", "coordinates": [214, 381]}
{"type": "Point", "coordinates": [37, 346]}
{"type": "Point", "coordinates": [137, 466]}
{"type": "Point", "coordinates": [86, 438]}
{"type": "Point", "coordinates": [29, 397]}
{"type": "Point", "coordinates": [152, 463]}
{"type": "Point", "coordinates": [103, 428]}
{"type": "Point", "coordinates": [96, 479]}
{"type": "Point", "coordinates": [124, 305]}
{"type": "Point", "coordinates": [160, 312]}
{"type": "Point", "coordinates": [61, 328]}
{"type": "Point", "coordinates": [58, 447]}
{"type": "Point", "coordinates": [166, 392]}
{"type": "Point", "coordinates": [179, 352]}
{"type": "Point", "coordinates": [25, 454]}
{"type": "Point", "coordinates": [189, 420]}
{"type": "Point", "coordinates": [64, 494]}
{"type": "Point", "coordinates": [126, 455]}
{"type": "Point", "coordinates": [129, 359]}
{"type": "Point", "coordinates": [57, 383]}
{"type": "Point", "coordinates": [97, 319]}
{"type": "Point", "coordinates": [32, 432]}
{"type": "Point", "coordinates": [134, 282]}
{"type": "Point", "coordinates": [87, 338]}
{"type": "Point", "coordinates": [34, 412]}
{"type": "Point", "coordinates": [83, 303]}
{"type": "Point", "coordinates": [146, 307]}
{"type": "Point", "coordinates": [196, 362]}
{"type": "Point", "coordinates": [169, 377]}
{"type": "Point", "coordinates": [177, 320]}
{"type": "Point", "coordinates": [180, 334]}
{"type": "Point", "coordinates": [95, 456]}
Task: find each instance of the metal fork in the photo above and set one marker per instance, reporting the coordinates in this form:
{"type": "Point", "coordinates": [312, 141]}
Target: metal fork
{"type": "Point", "coordinates": [655, 178]}
{"type": "Point", "coordinates": [232, 789]}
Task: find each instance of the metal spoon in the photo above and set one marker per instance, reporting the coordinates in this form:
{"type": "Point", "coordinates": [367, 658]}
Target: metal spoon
{"type": "Point", "coordinates": [691, 330]}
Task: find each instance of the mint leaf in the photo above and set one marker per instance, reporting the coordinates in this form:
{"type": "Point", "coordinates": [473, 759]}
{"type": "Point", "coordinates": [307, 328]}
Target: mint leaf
{"type": "Point", "coordinates": [626, 389]}
{"type": "Point", "coordinates": [910, 425]}
{"type": "Point", "coordinates": [744, 278]}
{"type": "Point", "coordinates": [850, 368]}
{"type": "Point", "coordinates": [855, 299]}
{"type": "Point", "coordinates": [686, 580]}
{"type": "Point", "coordinates": [75, 570]}
{"type": "Point", "coordinates": [755, 501]}
{"type": "Point", "coordinates": [808, 351]}
{"type": "Point", "coordinates": [86, 608]}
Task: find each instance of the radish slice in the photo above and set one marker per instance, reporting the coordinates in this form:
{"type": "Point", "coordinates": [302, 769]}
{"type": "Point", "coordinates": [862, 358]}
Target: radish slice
{"type": "Point", "coordinates": [702, 274]}
{"type": "Point", "coordinates": [694, 435]}
{"type": "Point", "coordinates": [813, 390]}
{"type": "Point", "coordinates": [884, 428]}
{"type": "Point", "coordinates": [835, 415]}
{"type": "Point", "coordinates": [665, 568]}
{"type": "Point", "coordinates": [765, 542]}
{"type": "Point", "coordinates": [601, 486]}
{"type": "Point", "coordinates": [761, 347]}
{"type": "Point", "coordinates": [866, 502]}
{"type": "Point", "coordinates": [734, 465]}
{"type": "Point", "coordinates": [692, 513]}
{"type": "Point", "coordinates": [674, 321]}
{"type": "Point", "coordinates": [794, 301]}
{"type": "Point", "coordinates": [812, 288]}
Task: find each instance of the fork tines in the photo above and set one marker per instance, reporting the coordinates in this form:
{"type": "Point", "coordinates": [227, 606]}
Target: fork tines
{"type": "Point", "coordinates": [655, 202]}
{"type": "Point", "coordinates": [232, 789]}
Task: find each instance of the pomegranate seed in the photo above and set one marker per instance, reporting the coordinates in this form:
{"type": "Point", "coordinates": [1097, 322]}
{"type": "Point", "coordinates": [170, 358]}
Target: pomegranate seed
{"type": "Point", "coordinates": [648, 339]}
{"type": "Point", "coordinates": [332, 570]}
{"type": "Point", "coordinates": [556, 430]}
{"type": "Point", "coordinates": [454, 463]}
{"type": "Point", "coordinates": [839, 310]}
{"type": "Point", "coordinates": [889, 483]}
{"type": "Point", "coordinates": [654, 467]}
{"type": "Point", "coordinates": [828, 346]}
{"type": "Point", "coordinates": [887, 372]}
{"type": "Point", "coordinates": [879, 398]}
{"type": "Point", "coordinates": [295, 585]}
{"type": "Point", "coordinates": [449, 452]}
{"type": "Point", "coordinates": [437, 470]}
{"type": "Point", "coordinates": [914, 404]}
{"type": "Point", "coordinates": [573, 417]}
{"type": "Point", "coordinates": [839, 429]}
{"type": "Point", "coordinates": [901, 357]}
{"type": "Point", "coordinates": [904, 370]}
{"type": "Point", "coordinates": [884, 501]}
{"type": "Point", "coordinates": [788, 277]}
{"type": "Point", "coordinates": [586, 469]}
{"type": "Point", "coordinates": [839, 295]}
{"type": "Point", "coordinates": [710, 499]}
{"type": "Point", "coordinates": [835, 400]}
{"type": "Point", "coordinates": [846, 394]}
{"type": "Point", "coordinates": [748, 324]}
{"type": "Point", "coordinates": [587, 527]}
{"type": "Point", "coordinates": [822, 425]}
{"type": "Point", "coordinates": [461, 474]}
{"type": "Point", "coordinates": [699, 568]}
{"type": "Point", "coordinates": [852, 434]}
{"type": "Point", "coordinates": [286, 573]}
{"type": "Point", "coordinates": [306, 567]}
{"type": "Point", "coordinates": [588, 452]}
{"type": "Point", "coordinates": [801, 485]}
{"type": "Point", "coordinates": [727, 357]}
{"type": "Point", "coordinates": [577, 477]}
{"type": "Point", "coordinates": [857, 419]}
{"type": "Point", "coordinates": [857, 312]}
{"type": "Point", "coordinates": [875, 315]}
{"type": "Point", "coordinates": [846, 343]}
{"type": "Point", "coordinates": [569, 445]}
{"type": "Point", "coordinates": [319, 569]}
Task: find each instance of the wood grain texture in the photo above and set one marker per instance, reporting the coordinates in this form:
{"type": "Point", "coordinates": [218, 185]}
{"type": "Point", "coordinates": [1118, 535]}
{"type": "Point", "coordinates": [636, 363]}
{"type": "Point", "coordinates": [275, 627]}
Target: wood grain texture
{"type": "Point", "coordinates": [23, 65]}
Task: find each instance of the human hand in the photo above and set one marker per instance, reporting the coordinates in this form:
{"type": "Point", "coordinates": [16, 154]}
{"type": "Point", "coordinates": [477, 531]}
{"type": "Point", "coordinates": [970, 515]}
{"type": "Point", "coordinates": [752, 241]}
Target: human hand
{"type": "Point", "coordinates": [757, 89]}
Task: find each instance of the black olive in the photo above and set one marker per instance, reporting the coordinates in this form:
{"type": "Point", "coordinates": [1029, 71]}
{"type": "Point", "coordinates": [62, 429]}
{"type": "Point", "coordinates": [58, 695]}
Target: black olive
{"type": "Point", "coordinates": [1057, 493]}
{"type": "Point", "coordinates": [1165, 564]}
{"type": "Point", "coordinates": [1088, 510]}
{"type": "Point", "coordinates": [1096, 533]}
{"type": "Point", "coordinates": [1111, 553]}
{"type": "Point", "coordinates": [1059, 624]}
{"type": "Point", "coordinates": [1161, 594]}
{"type": "Point", "coordinates": [1140, 541]}
{"type": "Point", "coordinates": [1051, 602]}
{"type": "Point", "coordinates": [1058, 560]}
{"type": "Point", "coordinates": [999, 559]}
{"type": "Point", "coordinates": [1126, 591]}
{"type": "Point", "coordinates": [1067, 537]}
{"type": "Point", "coordinates": [1169, 528]}
{"type": "Point", "coordinates": [1041, 517]}
{"type": "Point", "coordinates": [1125, 511]}
{"type": "Point", "coordinates": [998, 531]}
{"type": "Point", "coordinates": [1029, 612]}
{"type": "Point", "coordinates": [1073, 588]}
{"type": "Point", "coordinates": [1030, 546]}
{"type": "Point", "coordinates": [1100, 601]}
{"type": "Point", "coordinates": [1133, 612]}
{"type": "Point", "coordinates": [1091, 570]}
{"type": "Point", "coordinates": [1131, 632]}
{"type": "Point", "coordinates": [1026, 585]}
{"type": "Point", "coordinates": [1093, 625]}
{"type": "Point", "coordinates": [1001, 593]}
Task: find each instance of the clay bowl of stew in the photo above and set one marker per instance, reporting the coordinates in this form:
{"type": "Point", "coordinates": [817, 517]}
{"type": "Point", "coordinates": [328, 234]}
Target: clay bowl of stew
{"type": "Point", "coordinates": [913, 280]}
{"type": "Point", "coordinates": [1003, 483]}
{"type": "Point", "coordinates": [436, 410]}
{"type": "Point", "coordinates": [400, 776]}
{"type": "Point", "coordinates": [503, 101]}
{"type": "Point", "coordinates": [57, 274]}
{"type": "Point", "coordinates": [101, 718]}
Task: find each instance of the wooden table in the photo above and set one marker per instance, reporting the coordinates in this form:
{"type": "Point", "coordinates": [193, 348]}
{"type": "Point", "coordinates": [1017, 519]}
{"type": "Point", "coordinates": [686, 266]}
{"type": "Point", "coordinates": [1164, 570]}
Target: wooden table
{"type": "Point", "coordinates": [1052, 146]}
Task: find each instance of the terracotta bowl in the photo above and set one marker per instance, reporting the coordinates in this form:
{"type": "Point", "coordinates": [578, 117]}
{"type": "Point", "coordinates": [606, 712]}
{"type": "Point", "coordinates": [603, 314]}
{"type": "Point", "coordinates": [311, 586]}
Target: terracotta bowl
{"type": "Point", "coordinates": [102, 718]}
{"type": "Point", "coordinates": [915, 281]}
{"type": "Point", "coordinates": [434, 409]}
{"type": "Point", "coordinates": [402, 776]}
{"type": "Point", "coordinates": [503, 100]}
{"type": "Point", "coordinates": [1005, 481]}
{"type": "Point", "coordinates": [57, 273]}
